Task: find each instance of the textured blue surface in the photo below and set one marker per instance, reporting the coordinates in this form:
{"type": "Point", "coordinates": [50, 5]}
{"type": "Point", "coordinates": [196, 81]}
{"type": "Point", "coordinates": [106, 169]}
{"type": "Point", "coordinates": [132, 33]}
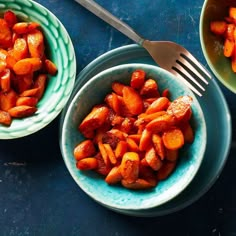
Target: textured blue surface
{"type": "Point", "coordinates": [37, 194]}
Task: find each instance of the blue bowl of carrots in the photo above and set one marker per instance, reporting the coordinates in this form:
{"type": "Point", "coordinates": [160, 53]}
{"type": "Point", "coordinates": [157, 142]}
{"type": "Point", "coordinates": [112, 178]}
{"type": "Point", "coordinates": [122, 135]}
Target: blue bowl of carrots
{"type": "Point", "coordinates": [217, 36]}
{"type": "Point", "coordinates": [133, 137]}
{"type": "Point", "coordinates": [37, 68]}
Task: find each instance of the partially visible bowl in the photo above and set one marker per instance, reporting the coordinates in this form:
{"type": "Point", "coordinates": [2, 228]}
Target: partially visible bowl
{"type": "Point", "coordinates": [59, 49]}
{"type": "Point", "coordinates": [117, 197]}
{"type": "Point", "coordinates": [212, 45]}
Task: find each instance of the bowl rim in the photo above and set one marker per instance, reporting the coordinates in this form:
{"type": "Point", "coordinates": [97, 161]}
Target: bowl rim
{"type": "Point", "coordinates": [68, 160]}
{"type": "Point", "coordinates": [217, 75]}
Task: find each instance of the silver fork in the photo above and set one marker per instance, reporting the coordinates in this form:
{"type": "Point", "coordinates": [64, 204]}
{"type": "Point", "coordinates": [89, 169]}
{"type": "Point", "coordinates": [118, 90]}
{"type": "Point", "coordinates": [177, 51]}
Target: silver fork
{"type": "Point", "coordinates": [168, 55]}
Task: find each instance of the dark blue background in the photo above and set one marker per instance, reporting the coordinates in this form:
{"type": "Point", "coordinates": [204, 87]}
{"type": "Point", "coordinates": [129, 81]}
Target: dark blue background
{"type": "Point", "coordinates": [37, 193]}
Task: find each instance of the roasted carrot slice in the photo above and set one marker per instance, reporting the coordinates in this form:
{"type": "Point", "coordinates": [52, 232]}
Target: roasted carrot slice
{"type": "Point", "coordinates": [20, 49]}
{"type": "Point", "coordinates": [137, 79]}
{"type": "Point", "coordinates": [117, 87]}
{"type": "Point", "coordinates": [5, 118]}
{"type": "Point", "coordinates": [158, 146]}
{"type": "Point", "coordinates": [51, 67]}
{"type": "Point", "coordinates": [129, 167]}
{"type": "Point", "coordinates": [28, 101]}
{"type": "Point", "coordinates": [110, 153]}
{"type": "Point", "coordinates": [104, 153]}
{"type": "Point", "coordinates": [145, 140]}
{"type": "Point", "coordinates": [229, 34]}
{"type": "Point", "coordinates": [40, 83]}
{"type": "Point", "coordinates": [159, 104]}
{"type": "Point", "coordinates": [5, 80]}
{"type": "Point", "coordinates": [187, 132]}
{"type": "Point", "coordinates": [88, 163]}
{"type": "Point", "coordinates": [102, 168]}
{"type": "Point", "coordinates": [137, 184]}
{"type": "Point", "coordinates": [25, 27]}
{"type": "Point", "coordinates": [132, 100]}
{"type": "Point", "coordinates": [148, 174]}
{"type": "Point", "coordinates": [173, 139]}
{"type": "Point", "coordinates": [10, 18]}
{"type": "Point", "coordinates": [218, 27]}
{"type": "Point", "coordinates": [232, 12]}
{"type": "Point", "coordinates": [5, 35]}
{"type": "Point", "coordinates": [84, 149]}
{"type": "Point", "coordinates": [30, 93]}
{"type": "Point", "coordinates": [114, 176]}
{"type": "Point", "coordinates": [228, 47]}
{"type": "Point", "coordinates": [150, 89]}
{"type": "Point", "coordinates": [166, 169]}
{"type": "Point", "coordinates": [132, 145]}
{"type": "Point", "coordinates": [152, 159]}
{"type": "Point", "coordinates": [121, 149]}
{"type": "Point", "coordinates": [22, 111]}
{"type": "Point", "coordinates": [95, 119]}
{"type": "Point", "coordinates": [7, 100]}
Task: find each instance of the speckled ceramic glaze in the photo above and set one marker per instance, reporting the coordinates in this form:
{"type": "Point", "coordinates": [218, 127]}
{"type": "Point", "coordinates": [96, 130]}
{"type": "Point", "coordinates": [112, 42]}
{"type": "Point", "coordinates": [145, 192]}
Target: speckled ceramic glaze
{"type": "Point", "coordinates": [60, 50]}
{"type": "Point", "coordinates": [212, 45]}
{"type": "Point", "coordinates": [93, 92]}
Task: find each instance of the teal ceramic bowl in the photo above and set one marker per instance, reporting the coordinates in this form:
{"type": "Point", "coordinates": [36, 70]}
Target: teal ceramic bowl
{"type": "Point", "coordinates": [117, 197]}
{"type": "Point", "coordinates": [212, 45]}
{"type": "Point", "coordinates": [60, 50]}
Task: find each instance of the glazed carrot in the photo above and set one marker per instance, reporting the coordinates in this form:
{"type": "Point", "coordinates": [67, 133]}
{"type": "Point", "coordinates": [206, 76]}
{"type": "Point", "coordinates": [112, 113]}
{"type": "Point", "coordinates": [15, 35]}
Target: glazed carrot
{"type": "Point", "coordinates": [150, 89]}
{"type": "Point", "coordinates": [88, 163]}
{"type": "Point", "coordinates": [25, 27]}
{"type": "Point", "coordinates": [171, 155]}
{"type": "Point", "coordinates": [117, 87]}
{"type": "Point", "coordinates": [94, 119]}
{"type": "Point", "coordinates": [132, 100]}
{"type": "Point", "coordinates": [103, 152]}
{"type": "Point", "coordinates": [229, 34]}
{"type": "Point", "coordinates": [114, 176]}
{"type": "Point", "coordinates": [5, 118]}
{"type": "Point", "coordinates": [22, 111]}
{"type": "Point", "coordinates": [40, 83]}
{"type": "Point", "coordinates": [173, 139]}
{"type": "Point", "coordinates": [110, 153]}
{"type": "Point", "coordinates": [7, 100]}
{"type": "Point", "coordinates": [5, 80]}
{"type": "Point", "coordinates": [228, 47]}
{"type": "Point", "coordinates": [10, 59]}
{"type": "Point", "coordinates": [2, 65]}
{"type": "Point", "coordinates": [148, 174]}
{"type": "Point", "coordinates": [145, 140]}
{"type": "Point", "coordinates": [218, 27]}
{"type": "Point", "coordinates": [158, 146]}
{"type": "Point", "coordinates": [232, 12]}
{"type": "Point", "coordinates": [28, 101]}
{"type": "Point", "coordinates": [5, 35]}
{"type": "Point", "coordinates": [10, 18]}
{"type": "Point", "coordinates": [166, 169]}
{"type": "Point", "coordinates": [102, 168]}
{"type": "Point", "coordinates": [30, 93]}
{"type": "Point", "coordinates": [129, 167]}
{"type": "Point", "coordinates": [51, 68]}
{"type": "Point", "coordinates": [84, 149]}
{"type": "Point", "coordinates": [137, 79]}
{"type": "Point", "coordinates": [20, 49]}
{"type": "Point", "coordinates": [160, 104]}
{"type": "Point", "coordinates": [188, 133]}
{"type": "Point", "coordinates": [132, 145]}
{"type": "Point", "coordinates": [146, 118]}
{"type": "Point", "coordinates": [152, 159]}
{"type": "Point", "coordinates": [121, 149]}
{"type": "Point", "coordinates": [137, 184]}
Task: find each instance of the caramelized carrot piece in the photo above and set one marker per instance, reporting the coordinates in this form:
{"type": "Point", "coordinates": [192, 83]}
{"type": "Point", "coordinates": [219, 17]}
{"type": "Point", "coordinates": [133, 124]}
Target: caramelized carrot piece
{"type": "Point", "coordinates": [2, 65]}
{"type": "Point", "coordinates": [129, 167]}
{"type": "Point", "coordinates": [7, 100]}
{"type": "Point", "coordinates": [152, 159]}
{"type": "Point", "coordinates": [137, 184]}
{"type": "Point", "coordinates": [121, 149]}
{"type": "Point", "coordinates": [159, 104]}
{"type": "Point", "coordinates": [88, 163]}
{"type": "Point", "coordinates": [187, 132]}
{"type": "Point", "coordinates": [20, 49]}
{"type": "Point", "coordinates": [30, 92]}
{"type": "Point", "coordinates": [173, 139]}
{"type": "Point", "coordinates": [166, 169]}
{"type": "Point", "coordinates": [158, 146]}
{"type": "Point", "coordinates": [114, 176]}
{"type": "Point", "coordinates": [103, 152]}
{"type": "Point", "coordinates": [40, 83]}
{"type": "Point", "coordinates": [28, 101]}
{"type": "Point", "coordinates": [150, 89]}
{"type": "Point", "coordinates": [229, 34]}
{"type": "Point", "coordinates": [10, 18]}
{"type": "Point", "coordinates": [218, 27]}
{"type": "Point", "coordinates": [5, 80]}
{"type": "Point", "coordinates": [132, 145]}
{"type": "Point", "coordinates": [132, 100]}
{"type": "Point", "coordinates": [22, 111]}
{"type": "Point", "coordinates": [51, 68]}
{"type": "Point", "coordinates": [85, 149]}
{"type": "Point", "coordinates": [102, 168]}
{"type": "Point", "coordinates": [232, 12]}
{"type": "Point", "coordinates": [25, 27]}
{"type": "Point", "coordinates": [146, 118]}
{"type": "Point", "coordinates": [137, 79]}
{"type": "Point", "coordinates": [148, 174]}
{"type": "Point", "coordinates": [117, 87]}
{"type": "Point", "coordinates": [5, 118]}
{"type": "Point", "coordinates": [145, 140]}
{"type": "Point", "coordinates": [110, 153]}
{"type": "Point", "coordinates": [5, 35]}
{"type": "Point", "coordinates": [10, 59]}
{"type": "Point", "coordinates": [228, 47]}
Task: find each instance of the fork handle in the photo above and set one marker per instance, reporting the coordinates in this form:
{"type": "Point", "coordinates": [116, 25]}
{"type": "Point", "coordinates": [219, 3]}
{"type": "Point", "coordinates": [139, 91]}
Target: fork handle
{"type": "Point", "coordinates": [103, 14]}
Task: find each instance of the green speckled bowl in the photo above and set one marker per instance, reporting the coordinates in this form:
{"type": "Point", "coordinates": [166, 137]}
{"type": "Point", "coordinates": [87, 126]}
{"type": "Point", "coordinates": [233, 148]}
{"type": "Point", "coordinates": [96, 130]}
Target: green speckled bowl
{"type": "Point", "coordinates": [60, 50]}
{"type": "Point", "coordinates": [117, 197]}
{"type": "Point", "coordinates": [212, 45]}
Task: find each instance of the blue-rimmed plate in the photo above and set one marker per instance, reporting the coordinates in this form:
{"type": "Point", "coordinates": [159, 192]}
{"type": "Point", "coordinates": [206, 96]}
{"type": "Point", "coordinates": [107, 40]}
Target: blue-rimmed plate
{"type": "Point", "coordinates": [218, 121]}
